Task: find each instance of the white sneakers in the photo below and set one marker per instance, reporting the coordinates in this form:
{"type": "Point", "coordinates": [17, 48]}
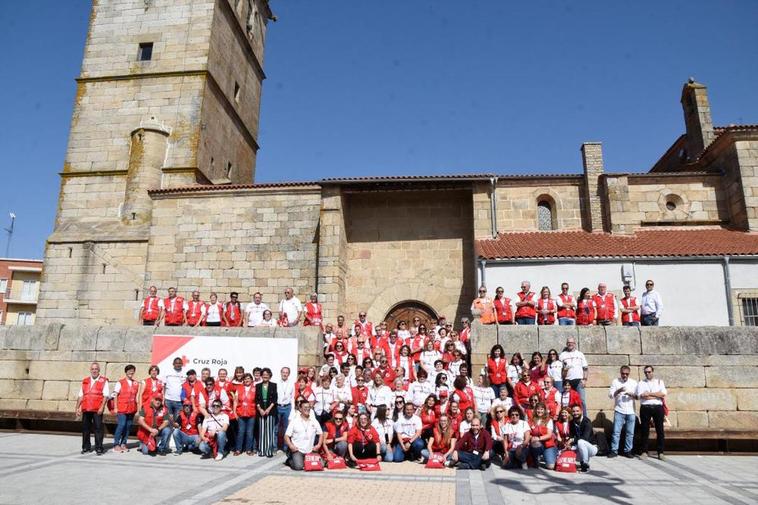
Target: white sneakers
{"type": "Point", "coordinates": [219, 457]}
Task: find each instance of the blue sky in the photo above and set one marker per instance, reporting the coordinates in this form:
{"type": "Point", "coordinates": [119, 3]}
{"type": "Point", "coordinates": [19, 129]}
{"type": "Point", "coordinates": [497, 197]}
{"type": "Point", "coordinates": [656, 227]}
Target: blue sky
{"type": "Point", "coordinates": [359, 87]}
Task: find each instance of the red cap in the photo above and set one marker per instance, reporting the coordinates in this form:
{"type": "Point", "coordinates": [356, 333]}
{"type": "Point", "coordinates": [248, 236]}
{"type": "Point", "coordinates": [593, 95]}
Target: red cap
{"type": "Point", "coordinates": [187, 401]}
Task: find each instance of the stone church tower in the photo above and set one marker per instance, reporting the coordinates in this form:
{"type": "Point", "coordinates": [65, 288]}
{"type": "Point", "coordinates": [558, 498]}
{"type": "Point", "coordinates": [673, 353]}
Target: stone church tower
{"type": "Point", "coordinates": [168, 95]}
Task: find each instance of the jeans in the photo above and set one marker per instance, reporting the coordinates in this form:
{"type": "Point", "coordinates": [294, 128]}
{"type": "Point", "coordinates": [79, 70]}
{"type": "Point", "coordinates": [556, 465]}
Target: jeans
{"type": "Point", "coordinates": [579, 387]}
{"type": "Point", "coordinates": [123, 425]}
{"type": "Point", "coordinates": [496, 389]}
{"type": "Point", "coordinates": [415, 450]}
{"type": "Point", "coordinates": [245, 434]}
{"type": "Point", "coordinates": [387, 453]}
{"type": "Point", "coordinates": [340, 449]}
{"type": "Point", "coordinates": [566, 321]}
{"type": "Point", "coordinates": [471, 461]}
{"type": "Point", "coordinates": [625, 421]}
{"type": "Point", "coordinates": [173, 407]}
{"type": "Point", "coordinates": [297, 460]}
{"type": "Point", "coordinates": [654, 412]}
{"type": "Point", "coordinates": [584, 451]}
{"type": "Point", "coordinates": [631, 323]}
{"type": "Point", "coordinates": [92, 420]}
{"type": "Point", "coordinates": [205, 447]}
{"type": "Point", "coordinates": [549, 453]}
{"type": "Point", "coordinates": [183, 441]}
{"type": "Point", "coordinates": [525, 320]}
{"type": "Point", "coordinates": [162, 440]}
{"type": "Point", "coordinates": [649, 320]}
{"type": "Point", "coordinates": [283, 419]}
{"type": "Point", "coordinates": [558, 385]}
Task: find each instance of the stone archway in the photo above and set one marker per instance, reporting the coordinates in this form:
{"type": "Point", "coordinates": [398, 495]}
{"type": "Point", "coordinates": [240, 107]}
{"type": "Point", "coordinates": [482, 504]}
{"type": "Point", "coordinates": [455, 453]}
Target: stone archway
{"type": "Point", "coordinates": [406, 311]}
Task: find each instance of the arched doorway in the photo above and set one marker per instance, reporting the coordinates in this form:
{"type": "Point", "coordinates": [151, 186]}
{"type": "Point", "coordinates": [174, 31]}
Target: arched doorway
{"type": "Point", "coordinates": [406, 311]}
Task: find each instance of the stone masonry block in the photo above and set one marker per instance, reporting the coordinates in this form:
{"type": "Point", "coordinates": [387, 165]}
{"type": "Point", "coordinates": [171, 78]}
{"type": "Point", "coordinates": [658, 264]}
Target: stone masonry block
{"type": "Point", "coordinates": [688, 399]}
{"type": "Point", "coordinates": [692, 420]}
{"type": "Point", "coordinates": [55, 390]}
{"type": "Point", "coordinates": [64, 370]}
{"type": "Point", "coordinates": [482, 337]}
{"type": "Point", "coordinates": [731, 360]}
{"type": "Point", "coordinates": [733, 420]}
{"type": "Point", "coordinates": [139, 339]}
{"type": "Point", "coordinates": [76, 337]}
{"type": "Point", "coordinates": [664, 359]}
{"type": "Point", "coordinates": [43, 405]}
{"type": "Point", "coordinates": [40, 337]}
{"type": "Point", "coordinates": [554, 337]}
{"type": "Point", "coordinates": [13, 369]}
{"type": "Point", "coordinates": [732, 377]}
{"type": "Point", "coordinates": [111, 338]}
{"type": "Point", "coordinates": [26, 389]}
{"type": "Point", "coordinates": [623, 340]}
{"type": "Point", "coordinates": [607, 360]}
{"type": "Point", "coordinates": [12, 404]}
{"type": "Point", "coordinates": [679, 376]}
{"type": "Point", "coordinates": [67, 406]}
{"type": "Point", "coordinates": [592, 339]}
{"type": "Point", "coordinates": [747, 399]}
{"type": "Point", "coordinates": [689, 340]}
{"type": "Point", "coordinates": [521, 339]}
{"type": "Point", "coordinates": [602, 376]}
{"type": "Point", "coordinates": [114, 371]}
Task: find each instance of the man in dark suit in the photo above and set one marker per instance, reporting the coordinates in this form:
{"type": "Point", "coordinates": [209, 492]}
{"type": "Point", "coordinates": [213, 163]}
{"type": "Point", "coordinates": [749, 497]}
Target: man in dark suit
{"type": "Point", "coordinates": [266, 402]}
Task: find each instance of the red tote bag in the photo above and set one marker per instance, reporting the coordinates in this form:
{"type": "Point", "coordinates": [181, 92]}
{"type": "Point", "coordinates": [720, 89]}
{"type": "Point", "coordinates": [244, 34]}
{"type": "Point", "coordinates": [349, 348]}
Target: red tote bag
{"type": "Point", "coordinates": [369, 465]}
{"type": "Point", "coordinates": [436, 460]}
{"type": "Point", "coordinates": [566, 462]}
{"type": "Point", "coordinates": [312, 463]}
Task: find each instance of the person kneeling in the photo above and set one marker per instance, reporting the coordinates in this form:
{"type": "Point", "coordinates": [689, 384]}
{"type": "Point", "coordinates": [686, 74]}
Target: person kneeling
{"type": "Point", "coordinates": [300, 435]}
{"type": "Point", "coordinates": [335, 442]}
{"type": "Point", "coordinates": [363, 441]}
{"type": "Point", "coordinates": [186, 434]}
{"type": "Point", "coordinates": [153, 430]}
{"type": "Point", "coordinates": [474, 449]}
{"type": "Point", "coordinates": [213, 432]}
{"type": "Point", "coordinates": [582, 437]}
{"type": "Point", "coordinates": [408, 431]}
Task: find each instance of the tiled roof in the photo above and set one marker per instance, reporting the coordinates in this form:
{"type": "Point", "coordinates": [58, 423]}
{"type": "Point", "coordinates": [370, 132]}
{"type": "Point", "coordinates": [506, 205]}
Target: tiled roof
{"type": "Point", "coordinates": [230, 187]}
{"type": "Point", "coordinates": [734, 127]}
{"type": "Point", "coordinates": [435, 178]}
{"type": "Point", "coordinates": [644, 243]}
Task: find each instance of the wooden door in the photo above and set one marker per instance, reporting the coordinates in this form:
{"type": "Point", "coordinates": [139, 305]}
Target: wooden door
{"type": "Point", "coordinates": [406, 311]}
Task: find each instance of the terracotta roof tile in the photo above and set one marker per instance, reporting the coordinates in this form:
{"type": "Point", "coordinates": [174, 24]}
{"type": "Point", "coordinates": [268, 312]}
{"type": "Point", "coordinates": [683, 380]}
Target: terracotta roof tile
{"type": "Point", "coordinates": [644, 243]}
{"type": "Point", "coordinates": [229, 187]}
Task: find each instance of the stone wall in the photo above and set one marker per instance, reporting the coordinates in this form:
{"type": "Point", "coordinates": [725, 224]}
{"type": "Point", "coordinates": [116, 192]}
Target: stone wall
{"type": "Point", "coordinates": [41, 366]}
{"type": "Point", "coordinates": [711, 373]}
{"type": "Point", "coordinates": [517, 204]}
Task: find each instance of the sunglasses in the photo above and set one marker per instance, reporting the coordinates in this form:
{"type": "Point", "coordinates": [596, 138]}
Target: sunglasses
{"type": "Point", "coordinates": [514, 415]}
{"type": "Point", "coordinates": [339, 418]}
{"type": "Point", "coordinates": [499, 412]}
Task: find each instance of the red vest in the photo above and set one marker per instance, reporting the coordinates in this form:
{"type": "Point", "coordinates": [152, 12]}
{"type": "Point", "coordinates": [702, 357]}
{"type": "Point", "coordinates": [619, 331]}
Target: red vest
{"type": "Point", "coordinates": [92, 399]}
{"type": "Point", "coordinates": [246, 401]}
{"type": "Point", "coordinates": [188, 423]}
{"type": "Point", "coordinates": [464, 335]}
{"type": "Point", "coordinates": [150, 308]}
{"type": "Point", "coordinates": [195, 312]}
{"type": "Point", "coordinates": [548, 304]}
{"type": "Point", "coordinates": [175, 315]}
{"type": "Point", "coordinates": [392, 351]}
{"type": "Point", "coordinates": [126, 401]}
{"type": "Point", "coordinates": [360, 395]}
{"type": "Point", "coordinates": [153, 419]}
{"type": "Point", "coordinates": [628, 317]}
{"type": "Point", "coordinates": [233, 313]}
{"type": "Point", "coordinates": [313, 314]}
{"type": "Point", "coordinates": [503, 310]}
{"type": "Point", "coordinates": [192, 392]}
{"type": "Point", "coordinates": [428, 418]}
{"type": "Point", "coordinates": [605, 307]}
{"type": "Point", "coordinates": [497, 372]}
{"type": "Point", "coordinates": [367, 328]}
{"type": "Point", "coordinates": [526, 311]}
{"type": "Point", "coordinates": [565, 311]}
{"type": "Point", "coordinates": [415, 343]}
{"type": "Point", "coordinates": [522, 392]}
{"type": "Point", "coordinates": [585, 312]}
{"type": "Point", "coordinates": [540, 431]}
{"type": "Point", "coordinates": [148, 392]}
{"type": "Point", "coordinates": [465, 399]}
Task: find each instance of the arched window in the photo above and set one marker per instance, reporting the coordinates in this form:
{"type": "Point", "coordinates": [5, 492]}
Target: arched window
{"type": "Point", "coordinates": [545, 218]}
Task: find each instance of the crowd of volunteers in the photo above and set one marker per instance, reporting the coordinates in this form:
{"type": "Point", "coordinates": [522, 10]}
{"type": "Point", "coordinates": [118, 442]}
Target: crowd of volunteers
{"type": "Point", "coordinates": [382, 395]}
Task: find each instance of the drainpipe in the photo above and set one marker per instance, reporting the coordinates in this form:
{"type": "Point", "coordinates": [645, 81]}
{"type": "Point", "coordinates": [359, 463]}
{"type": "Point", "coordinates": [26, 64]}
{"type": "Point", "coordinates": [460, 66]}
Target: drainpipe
{"type": "Point", "coordinates": [728, 282]}
{"type": "Point", "coordinates": [493, 206]}
{"type": "Point", "coordinates": [482, 275]}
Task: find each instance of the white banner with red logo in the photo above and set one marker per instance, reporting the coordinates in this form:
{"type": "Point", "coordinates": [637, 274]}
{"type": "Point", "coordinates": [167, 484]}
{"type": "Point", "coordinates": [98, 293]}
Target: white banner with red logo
{"type": "Point", "coordinates": [198, 352]}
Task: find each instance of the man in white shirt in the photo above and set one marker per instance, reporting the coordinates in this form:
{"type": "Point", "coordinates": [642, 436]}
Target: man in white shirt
{"type": "Point", "coordinates": [254, 311]}
{"type": "Point", "coordinates": [651, 393]}
{"type": "Point", "coordinates": [285, 395]}
{"type": "Point", "coordinates": [420, 389]}
{"type": "Point", "coordinates": [380, 394]}
{"type": "Point", "coordinates": [173, 381]}
{"type": "Point", "coordinates": [292, 307]}
{"type": "Point", "coordinates": [652, 305]}
{"type": "Point", "coordinates": [408, 431]}
{"type": "Point", "coordinates": [215, 425]}
{"type": "Point", "coordinates": [575, 369]}
{"type": "Point", "coordinates": [300, 436]}
{"type": "Point", "coordinates": [622, 392]}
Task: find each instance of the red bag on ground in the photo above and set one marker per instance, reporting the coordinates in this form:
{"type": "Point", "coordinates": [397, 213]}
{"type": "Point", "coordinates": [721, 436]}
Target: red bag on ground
{"type": "Point", "coordinates": [111, 404]}
{"type": "Point", "coordinates": [566, 462]}
{"type": "Point", "coordinates": [312, 463]}
{"type": "Point", "coordinates": [436, 460]}
{"type": "Point", "coordinates": [336, 463]}
{"type": "Point", "coordinates": [368, 465]}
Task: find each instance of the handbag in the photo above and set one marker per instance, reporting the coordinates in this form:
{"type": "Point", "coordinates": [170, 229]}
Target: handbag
{"type": "Point", "coordinates": [368, 465]}
{"type": "Point", "coordinates": [336, 463]}
{"type": "Point", "coordinates": [312, 463]}
{"type": "Point", "coordinates": [436, 460]}
{"type": "Point", "coordinates": [566, 462]}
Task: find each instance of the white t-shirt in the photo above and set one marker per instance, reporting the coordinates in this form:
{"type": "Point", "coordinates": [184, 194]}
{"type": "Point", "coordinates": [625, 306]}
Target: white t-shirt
{"type": "Point", "coordinates": [575, 362]}
{"type": "Point", "coordinates": [172, 383]}
{"type": "Point", "coordinates": [342, 394]}
{"type": "Point", "coordinates": [555, 371]}
{"type": "Point", "coordinates": [427, 360]}
{"type": "Point", "coordinates": [464, 427]}
{"type": "Point", "coordinates": [213, 314]}
{"type": "Point", "coordinates": [254, 312]}
{"type": "Point", "coordinates": [324, 399]}
{"type": "Point", "coordinates": [303, 432]}
{"type": "Point", "coordinates": [483, 396]}
{"type": "Point", "coordinates": [419, 391]}
{"type": "Point", "coordinates": [407, 427]}
{"type": "Point", "coordinates": [514, 373]}
{"type": "Point", "coordinates": [291, 307]}
{"type": "Point", "coordinates": [653, 386]}
{"type": "Point", "coordinates": [381, 395]}
{"type": "Point", "coordinates": [514, 433]}
{"type": "Point", "coordinates": [385, 430]}
{"type": "Point", "coordinates": [506, 404]}
{"type": "Point", "coordinates": [285, 391]}
{"type": "Point", "coordinates": [624, 402]}
{"type": "Point", "coordinates": [215, 423]}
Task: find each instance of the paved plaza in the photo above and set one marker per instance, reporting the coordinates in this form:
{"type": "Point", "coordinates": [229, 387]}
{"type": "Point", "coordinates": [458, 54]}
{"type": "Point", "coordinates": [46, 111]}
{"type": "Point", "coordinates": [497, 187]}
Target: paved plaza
{"type": "Point", "coordinates": [39, 468]}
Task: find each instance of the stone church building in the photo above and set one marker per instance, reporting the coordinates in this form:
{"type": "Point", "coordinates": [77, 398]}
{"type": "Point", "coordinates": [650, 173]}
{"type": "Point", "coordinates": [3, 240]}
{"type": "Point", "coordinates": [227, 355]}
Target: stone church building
{"type": "Point", "coordinates": [157, 188]}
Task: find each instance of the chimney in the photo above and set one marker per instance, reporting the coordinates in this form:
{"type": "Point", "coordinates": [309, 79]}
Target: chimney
{"type": "Point", "coordinates": [697, 119]}
{"type": "Point", "coordinates": [592, 159]}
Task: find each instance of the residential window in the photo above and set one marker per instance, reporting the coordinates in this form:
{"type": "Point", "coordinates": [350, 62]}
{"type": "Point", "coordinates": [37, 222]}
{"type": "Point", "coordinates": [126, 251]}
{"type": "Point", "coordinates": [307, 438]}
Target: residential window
{"type": "Point", "coordinates": [750, 311]}
{"type": "Point", "coordinates": [145, 52]}
{"type": "Point", "coordinates": [3, 286]}
{"type": "Point", "coordinates": [29, 291]}
{"type": "Point", "coordinates": [24, 319]}
{"type": "Point", "coordinates": [545, 221]}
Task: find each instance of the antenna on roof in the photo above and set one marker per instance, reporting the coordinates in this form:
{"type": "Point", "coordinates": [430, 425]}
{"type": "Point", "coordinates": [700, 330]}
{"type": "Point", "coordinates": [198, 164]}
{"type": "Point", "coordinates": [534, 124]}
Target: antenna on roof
{"type": "Point", "coordinates": [10, 234]}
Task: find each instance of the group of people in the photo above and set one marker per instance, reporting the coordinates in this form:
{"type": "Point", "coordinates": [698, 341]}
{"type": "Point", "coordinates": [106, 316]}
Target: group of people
{"type": "Point", "coordinates": [599, 308]}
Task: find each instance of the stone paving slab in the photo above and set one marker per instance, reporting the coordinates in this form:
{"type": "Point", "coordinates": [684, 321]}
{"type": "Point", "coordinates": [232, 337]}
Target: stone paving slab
{"type": "Point", "coordinates": [40, 468]}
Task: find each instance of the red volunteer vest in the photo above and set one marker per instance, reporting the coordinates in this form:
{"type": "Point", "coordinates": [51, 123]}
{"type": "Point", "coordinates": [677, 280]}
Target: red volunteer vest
{"type": "Point", "coordinates": [313, 314]}
{"type": "Point", "coordinates": [428, 418]}
{"type": "Point", "coordinates": [152, 387]}
{"type": "Point", "coordinates": [628, 317]}
{"type": "Point", "coordinates": [93, 399]}
{"type": "Point", "coordinates": [366, 328]}
{"type": "Point", "coordinates": [126, 401]}
{"type": "Point", "coordinates": [585, 312]}
{"type": "Point", "coordinates": [540, 431]}
{"type": "Point", "coordinates": [566, 311]}
{"type": "Point", "coordinates": [150, 308]}
{"type": "Point", "coordinates": [360, 395]}
{"type": "Point", "coordinates": [548, 304]}
{"type": "Point", "coordinates": [152, 419]}
{"type": "Point", "coordinates": [526, 311]}
{"type": "Point", "coordinates": [175, 314]}
{"type": "Point", "coordinates": [192, 391]}
{"type": "Point", "coordinates": [522, 392]}
{"type": "Point", "coordinates": [188, 423]}
{"type": "Point", "coordinates": [503, 310]}
{"type": "Point", "coordinates": [246, 401]}
{"type": "Point", "coordinates": [233, 313]}
{"type": "Point", "coordinates": [464, 335]}
{"type": "Point", "coordinates": [465, 398]}
{"type": "Point", "coordinates": [605, 307]}
{"type": "Point", "coordinates": [497, 372]}
{"type": "Point", "coordinates": [194, 312]}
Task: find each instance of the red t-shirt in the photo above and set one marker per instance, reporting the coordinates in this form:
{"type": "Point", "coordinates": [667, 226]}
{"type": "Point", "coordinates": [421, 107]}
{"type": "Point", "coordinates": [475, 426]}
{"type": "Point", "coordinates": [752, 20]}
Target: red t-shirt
{"type": "Point", "coordinates": [368, 436]}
